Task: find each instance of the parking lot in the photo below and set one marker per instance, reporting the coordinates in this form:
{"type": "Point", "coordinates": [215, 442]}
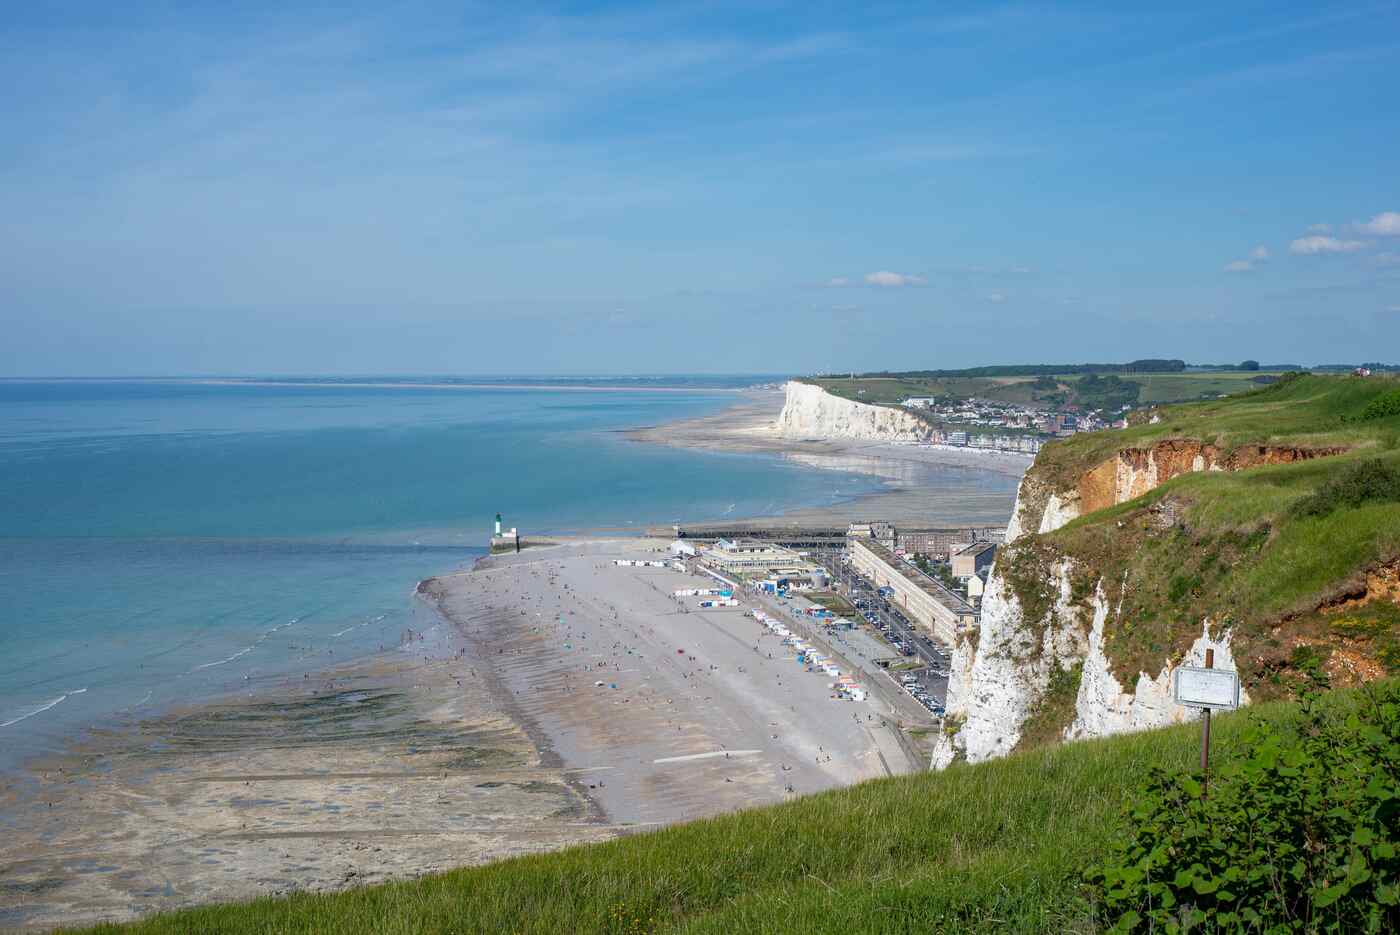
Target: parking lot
{"type": "Point", "coordinates": [856, 651]}
{"type": "Point", "coordinates": [927, 682]}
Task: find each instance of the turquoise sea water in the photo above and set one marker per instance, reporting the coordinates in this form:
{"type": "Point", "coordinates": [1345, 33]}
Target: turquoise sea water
{"type": "Point", "coordinates": [166, 541]}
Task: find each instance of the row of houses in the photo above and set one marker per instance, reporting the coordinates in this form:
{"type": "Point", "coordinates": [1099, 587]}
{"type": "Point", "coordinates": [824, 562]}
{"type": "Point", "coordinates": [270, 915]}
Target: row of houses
{"type": "Point", "coordinates": [974, 423]}
{"type": "Point", "coordinates": [923, 600]}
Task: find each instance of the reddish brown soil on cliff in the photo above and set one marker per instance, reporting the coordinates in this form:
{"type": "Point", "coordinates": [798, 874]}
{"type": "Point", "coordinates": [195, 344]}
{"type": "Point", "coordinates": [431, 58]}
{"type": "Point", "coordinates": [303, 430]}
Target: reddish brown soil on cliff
{"type": "Point", "coordinates": [1100, 487]}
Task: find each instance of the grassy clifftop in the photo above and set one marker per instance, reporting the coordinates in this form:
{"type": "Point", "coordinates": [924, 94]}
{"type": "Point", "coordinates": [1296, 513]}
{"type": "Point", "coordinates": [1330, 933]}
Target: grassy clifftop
{"type": "Point", "coordinates": [1296, 550]}
{"type": "Point", "coordinates": [1312, 411]}
{"type": "Point", "coordinates": [995, 847]}
{"type": "Point", "coordinates": [1091, 391]}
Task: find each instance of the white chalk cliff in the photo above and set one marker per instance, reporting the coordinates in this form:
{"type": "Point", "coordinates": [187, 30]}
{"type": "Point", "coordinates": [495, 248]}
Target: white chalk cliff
{"type": "Point", "coordinates": [811, 412]}
{"type": "Point", "coordinates": [996, 681]}
{"type": "Point", "coordinates": [1000, 672]}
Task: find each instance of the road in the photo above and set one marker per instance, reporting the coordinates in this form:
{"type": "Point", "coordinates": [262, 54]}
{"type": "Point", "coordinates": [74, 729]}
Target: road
{"type": "Point", "coordinates": [932, 654]}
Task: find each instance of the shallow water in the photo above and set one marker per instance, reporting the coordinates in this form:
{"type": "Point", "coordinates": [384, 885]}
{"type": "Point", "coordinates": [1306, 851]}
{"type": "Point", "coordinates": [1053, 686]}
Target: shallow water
{"type": "Point", "coordinates": [165, 541]}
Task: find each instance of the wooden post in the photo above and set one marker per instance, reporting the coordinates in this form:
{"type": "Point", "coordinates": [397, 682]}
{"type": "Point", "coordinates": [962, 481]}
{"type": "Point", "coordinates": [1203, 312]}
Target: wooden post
{"type": "Point", "coordinates": [1205, 733]}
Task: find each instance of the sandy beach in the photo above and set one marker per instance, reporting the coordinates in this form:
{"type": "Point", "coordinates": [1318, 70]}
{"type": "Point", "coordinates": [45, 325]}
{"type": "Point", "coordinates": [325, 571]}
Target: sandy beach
{"type": "Point", "coordinates": [488, 738]}
{"type": "Point", "coordinates": [698, 711]}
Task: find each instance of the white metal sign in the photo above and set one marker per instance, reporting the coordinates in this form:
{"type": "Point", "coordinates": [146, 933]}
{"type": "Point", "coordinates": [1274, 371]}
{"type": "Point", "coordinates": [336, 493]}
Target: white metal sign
{"type": "Point", "coordinates": [1215, 689]}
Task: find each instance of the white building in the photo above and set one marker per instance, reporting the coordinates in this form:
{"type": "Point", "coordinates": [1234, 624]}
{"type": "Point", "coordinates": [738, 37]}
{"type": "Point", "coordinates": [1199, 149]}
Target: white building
{"type": "Point", "coordinates": [746, 555]}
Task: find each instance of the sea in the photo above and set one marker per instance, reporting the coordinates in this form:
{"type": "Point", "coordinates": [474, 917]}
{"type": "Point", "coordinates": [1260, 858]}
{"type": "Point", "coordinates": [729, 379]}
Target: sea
{"type": "Point", "coordinates": [163, 542]}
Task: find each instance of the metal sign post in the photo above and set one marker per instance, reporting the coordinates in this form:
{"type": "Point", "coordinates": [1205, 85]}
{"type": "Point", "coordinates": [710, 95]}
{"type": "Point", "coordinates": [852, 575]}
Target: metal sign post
{"type": "Point", "coordinates": [1205, 733]}
{"type": "Point", "coordinates": [1209, 689]}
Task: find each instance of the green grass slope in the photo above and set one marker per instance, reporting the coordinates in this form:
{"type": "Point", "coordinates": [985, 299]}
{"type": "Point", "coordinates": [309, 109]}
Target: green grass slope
{"type": "Point", "coordinates": [1315, 411]}
{"type": "Point", "coordinates": [1138, 389]}
{"type": "Point", "coordinates": [995, 847]}
{"type": "Point", "coordinates": [1242, 548]}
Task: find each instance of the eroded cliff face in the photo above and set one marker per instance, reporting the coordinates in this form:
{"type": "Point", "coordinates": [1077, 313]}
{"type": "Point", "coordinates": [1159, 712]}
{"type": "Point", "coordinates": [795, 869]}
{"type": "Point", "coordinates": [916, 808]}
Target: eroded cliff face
{"type": "Point", "coordinates": [811, 412]}
{"type": "Point", "coordinates": [999, 674]}
{"type": "Point", "coordinates": [1102, 707]}
{"type": "Point", "coordinates": [1133, 472]}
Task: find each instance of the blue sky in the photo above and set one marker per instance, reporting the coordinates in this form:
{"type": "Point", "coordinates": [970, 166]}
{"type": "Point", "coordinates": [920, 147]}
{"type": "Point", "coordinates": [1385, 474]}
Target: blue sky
{"type": "Point", "coordinates": [599, 188]}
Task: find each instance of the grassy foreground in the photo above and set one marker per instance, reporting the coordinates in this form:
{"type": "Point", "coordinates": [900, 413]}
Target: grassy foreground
{"type": "Point", "coordinates": [998, 847]}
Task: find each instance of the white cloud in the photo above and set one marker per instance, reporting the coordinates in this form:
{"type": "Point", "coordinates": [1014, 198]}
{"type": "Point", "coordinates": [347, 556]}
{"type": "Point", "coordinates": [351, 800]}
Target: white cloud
{"type": "Point", "coordinates": [886, 278]}
{"type": "Point", "coordinates": [996, 297]}
{"type": "Point", "coordinates": [1320, 228]}
{"type": "Point", "coordinates": [837, 282]}
{"type": "Point", "coordinates": [1395, 308]}
{"type": "Point", "coordinates": [1257, 257]}
{"type": "Point", "coordinates": [1318, 244]}
{"type": "Point", "coordinates": [1385, 224]}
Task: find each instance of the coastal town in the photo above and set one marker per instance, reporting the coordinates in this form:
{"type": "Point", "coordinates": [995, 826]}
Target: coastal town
{"type": "Point", "coordinates": [982, 423]}
{"type": "Point", "coordinates": [906, 595]}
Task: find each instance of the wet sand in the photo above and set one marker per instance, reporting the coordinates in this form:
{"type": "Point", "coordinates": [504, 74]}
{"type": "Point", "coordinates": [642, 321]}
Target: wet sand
{"type": "Point", "coordinates": [926, 486]}
{"type": "Point", "coordinates": [487, 739]}
{"type": "Point", "coordinates": [384, 769]}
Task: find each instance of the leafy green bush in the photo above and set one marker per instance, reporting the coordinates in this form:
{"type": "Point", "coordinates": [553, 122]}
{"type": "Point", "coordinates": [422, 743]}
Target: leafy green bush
{"type": "Point", "coordinates": [1383, 406]}
{"type": "Point", "coordinates": [1301, 833]}
{"type": "Point", "coordinates": [1369, 481]}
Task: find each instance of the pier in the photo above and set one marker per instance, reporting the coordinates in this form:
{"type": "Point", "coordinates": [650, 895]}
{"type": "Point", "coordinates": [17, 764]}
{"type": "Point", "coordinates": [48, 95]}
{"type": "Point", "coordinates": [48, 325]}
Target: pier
{"type": "Point", "coordinates": [789, 537]}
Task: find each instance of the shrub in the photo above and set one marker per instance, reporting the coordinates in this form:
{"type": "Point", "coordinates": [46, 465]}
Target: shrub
{"type": "Point", "coordinates": [1181, 586]}
{"type": "Point", "coordinates": [1366, 481]}
{"type": "Point", "coordinates": [1301, 833]}
{"type": "Point", "coordinates": [1283, 380]}
{"type": "Point", "coordinates": [1383, 406]}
